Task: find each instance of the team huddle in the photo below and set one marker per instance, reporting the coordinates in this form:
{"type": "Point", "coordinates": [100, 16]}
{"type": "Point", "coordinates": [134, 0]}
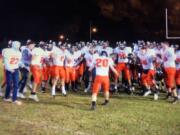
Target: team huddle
{"type": "Point", "coordinates": [65, 66]}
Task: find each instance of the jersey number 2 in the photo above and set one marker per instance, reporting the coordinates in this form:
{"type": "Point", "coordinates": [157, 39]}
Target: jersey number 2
{"type": "Point", "coordinates": [14, 61]}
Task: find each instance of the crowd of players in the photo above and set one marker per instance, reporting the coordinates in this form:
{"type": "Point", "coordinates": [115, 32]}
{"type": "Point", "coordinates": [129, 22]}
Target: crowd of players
{"type": "Point", "coordinates": [146, 65]}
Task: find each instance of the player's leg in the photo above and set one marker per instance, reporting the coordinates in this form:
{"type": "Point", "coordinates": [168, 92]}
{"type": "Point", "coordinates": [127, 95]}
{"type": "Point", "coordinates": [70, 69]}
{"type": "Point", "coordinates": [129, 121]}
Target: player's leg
{"type": "Point", "coordinates": [105, 85]}
{"type": "Point", "coordinates": [178, 82]}
{"type": "Point", "coordinates": [152, 83]}
{"type": "Point", "coordinates": [73, 79]}
{"type": "Point", "coordinates": [51, 75]}
{"type": "Point", "coordinates": [81, 71]}
{"type": "Point", "coordinates": [67, 78]}
{"type": "Point", "coordinates": [37, 73]}
{"type": "Point", "coordinates": [44, 79]}
{"type": "Point", "coordinates": [128, 78]}
{"type": "Point", "coordinates": [88, 80]}
{"type": "Point", "coordinates": [116, 78]}
{"type": "Point", "coordinates": [170, 83]}
{"type": "Point", "coordinates": [30, 84]}
{"type": "Point", "coordinates": [144, 80]}
{"type": "Point", "coordinates": [62, 76]}
{"type": "Point", "coordinates": [8, 86]}
{"type": "Point", "coordinates": [96, 87]}
{"type": "Point", "coordinates": [37, 78]}
{"type": "Point", "coordinates": [135, 75]}
{"type": "Point", "coordinates": [22, 83]}
{"type": "Point", "coordinates": [48, 76]}
{"type": "Point", "coordinates": [173, 86]}
{"type": "Point", "coordinates": [15, 78]}
{"type": "Point", "coordinates": [55, 76]}
{"type": "Point", "coordinates": [78, 79]}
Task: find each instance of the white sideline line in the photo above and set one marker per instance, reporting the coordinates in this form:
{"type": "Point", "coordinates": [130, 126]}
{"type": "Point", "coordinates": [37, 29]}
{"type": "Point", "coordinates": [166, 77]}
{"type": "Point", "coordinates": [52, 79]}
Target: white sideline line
{"type": "Point", "coordinates": [44, 125]}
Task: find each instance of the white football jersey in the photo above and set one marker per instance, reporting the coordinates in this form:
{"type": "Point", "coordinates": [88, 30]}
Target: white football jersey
{"type": "Point", "coordinates": [146, 60]}
{"type": "Point", "coordinates": [77, 54]}
{"type": "Point", "coordinates": [157, 51]}
{"type": "Point", "coordinates": [59, 57]}
{"type": "Point", "coordinates": [89, 58]}
{"type": "Point", "coordinates": [48, 58]}
{"type": "Point", "coordinates": [84, 50]}
{"type": "Point", "coordinates": [135, 49]}
{"type": "Point", "coordinates": [128, 49]}
{"type": "Point", "coordinates": [71, 59]}
{"type": "Point", "coordinates": [98, 48]}
{"type": "Point", "coordinates": [168, 57]}
{"type": "Point", "coordinates": [122, 55]}
{"type": "Point", "coordinates": [11, 58]}
{"type": "Point", "coordinates": [152, 52]}
{"type": "Point", "coordinates": [102, 65]}
{"type": "Point", "coordinates": [38, 55]}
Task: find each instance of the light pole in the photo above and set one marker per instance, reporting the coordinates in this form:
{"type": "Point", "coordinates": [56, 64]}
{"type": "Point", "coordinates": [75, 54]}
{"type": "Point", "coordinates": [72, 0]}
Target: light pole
{"type": "Point", "coordinates": [92, 30]}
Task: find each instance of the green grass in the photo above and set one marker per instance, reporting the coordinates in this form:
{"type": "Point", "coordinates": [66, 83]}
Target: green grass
{"type": "Point", "coordinates": [125, 115]}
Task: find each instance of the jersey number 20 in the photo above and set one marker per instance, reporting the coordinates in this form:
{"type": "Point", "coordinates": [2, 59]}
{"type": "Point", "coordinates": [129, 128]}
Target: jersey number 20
{"type": "Point", "coordinates": [101, 62]}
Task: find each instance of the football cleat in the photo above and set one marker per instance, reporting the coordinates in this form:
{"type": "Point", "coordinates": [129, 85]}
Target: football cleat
{"type": "Point", "coordinates": [21, 95]}
{"type": "Point", "coordinates": [147, 93]}
{"type": "Point", "coordinates": [155, 96]}
{"type": "Point", "coordinates": [34, 97]}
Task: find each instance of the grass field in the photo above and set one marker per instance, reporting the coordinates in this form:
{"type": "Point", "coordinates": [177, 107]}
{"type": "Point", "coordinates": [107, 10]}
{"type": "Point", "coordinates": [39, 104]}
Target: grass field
{"type": "Point", "coordinates": [71, 115]}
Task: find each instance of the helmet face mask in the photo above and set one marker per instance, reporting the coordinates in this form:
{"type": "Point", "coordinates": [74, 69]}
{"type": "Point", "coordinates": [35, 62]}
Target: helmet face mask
{"type": "Point", "coordinates": [73, 49]}
{"type": "Point", "coordinates": [105, 45]}
{"type": "Point", "coordinates": [43, 45]}
{"type": "Point", "coordinates": [143, 50]}
{"type": "Point", "coordinates": [121, 46]}
{"type": "Point", "coordinates": [49, 47]}
{"type": "Point", "coordinates": [63, 47]}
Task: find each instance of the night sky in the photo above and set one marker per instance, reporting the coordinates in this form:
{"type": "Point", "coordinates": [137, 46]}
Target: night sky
{"type": "Point", "coordinates": [115, 19]}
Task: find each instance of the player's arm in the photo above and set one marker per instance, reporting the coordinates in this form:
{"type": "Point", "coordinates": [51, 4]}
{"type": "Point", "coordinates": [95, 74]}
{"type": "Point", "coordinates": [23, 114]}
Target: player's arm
{"type": "Point", "coordinates": [92, 66]}
{"type": "Point", "coordinates": [77, 62]}
{"type": "Point", "coordinates": [3, 56]}
{"type": "Point", "coordinates": [114, 70]}
{"type": "Point", "coordinates": [111, 66]}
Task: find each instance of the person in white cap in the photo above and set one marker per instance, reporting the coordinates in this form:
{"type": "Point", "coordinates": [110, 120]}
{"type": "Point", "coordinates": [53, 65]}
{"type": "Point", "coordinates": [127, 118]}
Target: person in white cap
{"type": "Point", "coordinates": [11, 58]}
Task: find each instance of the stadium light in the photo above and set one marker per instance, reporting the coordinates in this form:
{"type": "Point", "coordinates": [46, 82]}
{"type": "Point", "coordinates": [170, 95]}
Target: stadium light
{"type": "Point", "coordinates": [61, 37]}
{"type": "Point", "coordinates": [94, 30]}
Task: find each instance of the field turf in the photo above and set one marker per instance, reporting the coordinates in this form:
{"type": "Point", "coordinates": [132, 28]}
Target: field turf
{"type": "Point", "coordinates": [71, 115]}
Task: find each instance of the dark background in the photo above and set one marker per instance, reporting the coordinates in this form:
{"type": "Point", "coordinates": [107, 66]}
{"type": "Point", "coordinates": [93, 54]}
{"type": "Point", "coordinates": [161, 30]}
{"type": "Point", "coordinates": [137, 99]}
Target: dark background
{"type": "Point", "coordinates": [115, 19]}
